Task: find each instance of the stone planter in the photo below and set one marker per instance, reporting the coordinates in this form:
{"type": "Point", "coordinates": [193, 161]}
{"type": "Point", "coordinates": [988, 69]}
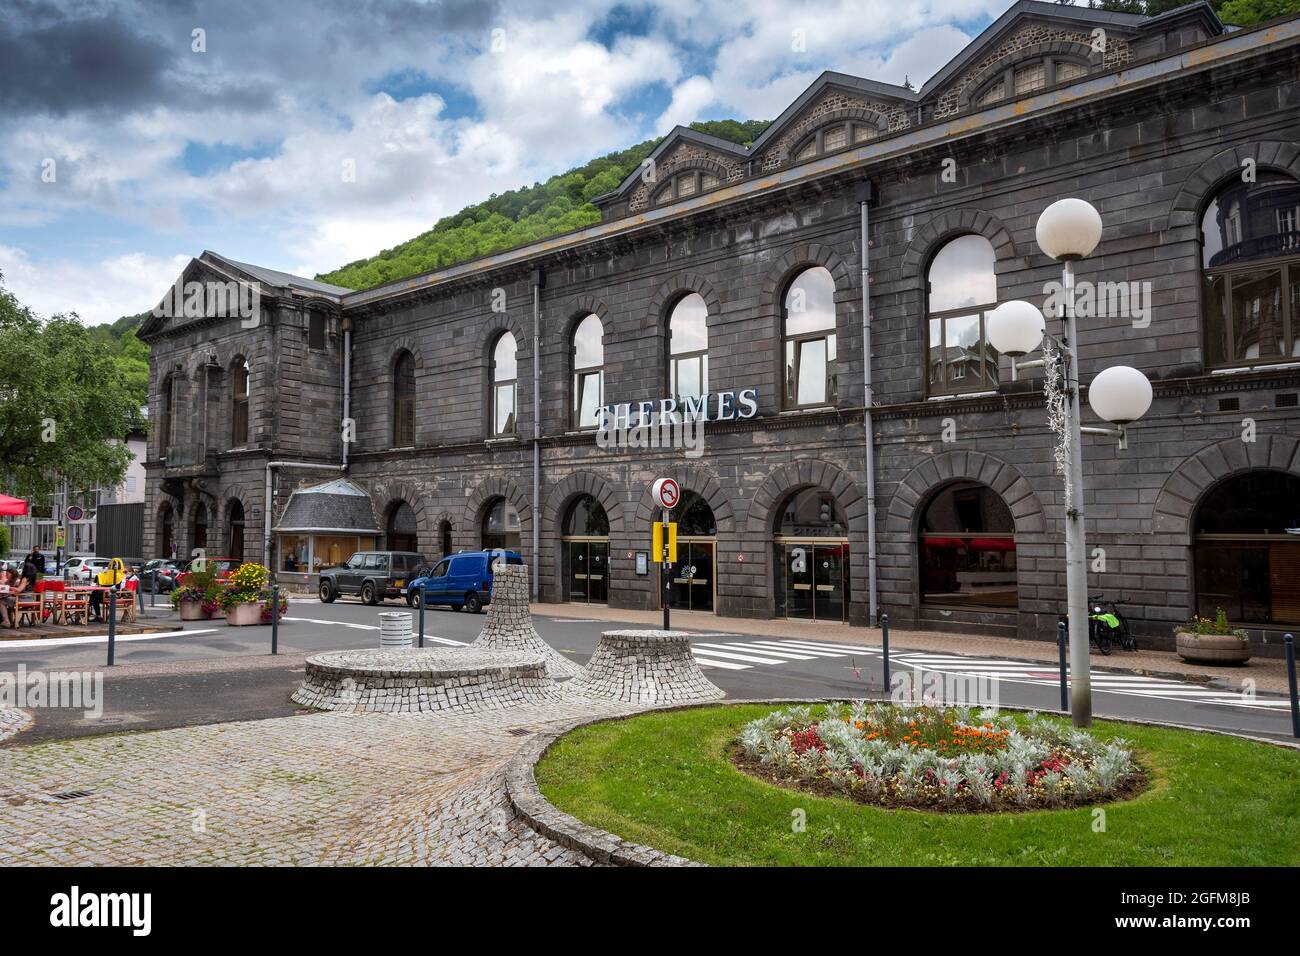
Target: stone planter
{"type": "Point", "coordinates": [1211, 648]}
{"type": "Point", "coordinates": [241, 615]}
{"type": "Point", "coordinates": [193, 611]}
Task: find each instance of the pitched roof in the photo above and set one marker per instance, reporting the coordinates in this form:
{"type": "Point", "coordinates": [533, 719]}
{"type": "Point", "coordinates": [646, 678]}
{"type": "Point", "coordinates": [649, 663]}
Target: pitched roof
{"type": "Point", "coordinates": [336, 506]}
{"type": "Point", "coordinates": [277, 278]}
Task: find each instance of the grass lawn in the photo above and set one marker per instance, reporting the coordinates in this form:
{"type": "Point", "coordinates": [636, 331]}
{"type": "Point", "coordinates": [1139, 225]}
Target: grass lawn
{"type": "Point", "coordinates": [664, 780]}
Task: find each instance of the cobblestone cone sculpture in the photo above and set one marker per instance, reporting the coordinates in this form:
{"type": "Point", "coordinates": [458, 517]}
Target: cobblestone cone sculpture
{"type": "Point", "coordinates": [645, 667]}
{"type": "Point", "coordinates": [509, 624]}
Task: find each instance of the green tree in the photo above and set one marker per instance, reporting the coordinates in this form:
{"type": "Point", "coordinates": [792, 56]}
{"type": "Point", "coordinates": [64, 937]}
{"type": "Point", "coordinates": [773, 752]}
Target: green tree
{"type": "Point", "coordinates": [1245, 13]}
{"type": "Point", "coordinates": [64, 398]}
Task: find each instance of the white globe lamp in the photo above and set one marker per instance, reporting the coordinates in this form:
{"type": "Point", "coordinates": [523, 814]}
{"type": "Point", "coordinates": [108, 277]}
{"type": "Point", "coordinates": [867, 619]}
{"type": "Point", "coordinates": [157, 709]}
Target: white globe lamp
{"type": "Point", "coordinates": [1069, 229]}
{"type": "Point", "coordinates": [1120, 394]}
{"type": "Point", "coordinates": [1016, 328]}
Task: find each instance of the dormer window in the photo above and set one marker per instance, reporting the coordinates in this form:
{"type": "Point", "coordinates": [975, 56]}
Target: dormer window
{"type": "Point", "coordinates": [1028, 77]}
{"type": "Point", "coordinates": [829, 139]}
{"type": "Point", "coordinates": [684, 184]}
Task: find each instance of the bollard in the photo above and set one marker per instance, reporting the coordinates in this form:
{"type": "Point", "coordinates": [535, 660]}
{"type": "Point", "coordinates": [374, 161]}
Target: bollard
{"type": "Point", "coordinates": [153, 587]}
{"type": "Point", "coordinates": [1289, 641]}
{"type": "Point", "coordinates": [275, 619]}
{"type": "Point", "coordinates": [422, 619]}
{"type": "Point", "coordinates": [1061, 641]}
{"type": "Point", "coordinates": [139, 595]}
{"type": "Point", "coordinates": [884, 644]}
{"type": "Point", "coordinates": [112, 624]}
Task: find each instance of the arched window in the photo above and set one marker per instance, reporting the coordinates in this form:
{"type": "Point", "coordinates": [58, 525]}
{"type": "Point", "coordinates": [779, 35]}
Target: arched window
{"type": "Point", "coordinates": [501, 526]}
{"type": "Point", "coordinates": [199, 537]}
{"type": "Point", "coordinates": [586, 551]}
{"type": "Point", "coordinates": [1247, 549]}
{"type": "Point", "coordinates": [967, 548]}
{"type": "Point", "coordinates": [167, 420]}
{"type": "Point", "coordinates": [505, 376]}
{"type": "Point", "coordinates": [166, 532]}
{"type": "Point", "coordinates": [1029, 76]}
{"type": "Point", "coordinates": [832, 138]}
{"type": "Point", "coordinates": [235, 534]}
{"type": "Point", "coordinates": [963, 289]}
{"type": "Point", "coordinates": [239, 404]}
{"type": "Point", "coordinates": [688, 348]}
{"type": "Point", "coordinates": [401, 531]}
{"type": "Point", "coordinates": [1250, 254]}
{"type": "Point", "coordinates": [587, 355]}
{"type": "Point", "coordinates": [812, 557]}
{"type": "Point", "coordinates": [808, 330]}
{"type": "Point", "coordinates": [404, 401]}
{"type": "Point", "coordinates": [686, 184]}
{"type": "Point", "coordinates": [444, 536]}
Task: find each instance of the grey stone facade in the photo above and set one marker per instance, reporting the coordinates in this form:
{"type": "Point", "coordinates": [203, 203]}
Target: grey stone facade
{"type": "Point", "coordinates": [1147, 137]}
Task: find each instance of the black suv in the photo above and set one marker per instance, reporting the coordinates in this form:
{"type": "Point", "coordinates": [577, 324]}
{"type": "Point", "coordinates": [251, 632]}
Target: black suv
{"type": "Point", "coordinates": [374, 575]}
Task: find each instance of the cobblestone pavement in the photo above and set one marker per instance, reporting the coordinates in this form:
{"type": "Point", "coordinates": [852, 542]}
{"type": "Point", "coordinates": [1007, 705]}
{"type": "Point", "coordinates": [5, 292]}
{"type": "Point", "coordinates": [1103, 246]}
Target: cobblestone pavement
{"type": "Point", "coordinates": [12, 720]}
{"type": "Point", "coordinates": [322, 788]}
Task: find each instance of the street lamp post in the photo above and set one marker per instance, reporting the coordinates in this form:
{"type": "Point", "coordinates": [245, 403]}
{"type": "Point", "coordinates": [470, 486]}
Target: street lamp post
{"type": "Point", "coordinates": [1067, 231]}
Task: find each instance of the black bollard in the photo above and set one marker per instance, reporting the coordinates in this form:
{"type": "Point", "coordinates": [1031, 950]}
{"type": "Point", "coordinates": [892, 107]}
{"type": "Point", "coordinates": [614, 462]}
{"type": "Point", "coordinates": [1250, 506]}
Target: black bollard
{"type": "Point", "coordinates": [422, 619]}
{"type": "Point", "coordinates": [1289, 641]}
{"type": "Point", "coordinates": [275, 619]}
{"type": "Point", "coordinates": [112, 624]}
{"type": "Point", "coordinates": [153, 587]}
{"type": "Point", "coordinates": [884, 644]}
{"type": "Point", "coordinates": [1060, 644]}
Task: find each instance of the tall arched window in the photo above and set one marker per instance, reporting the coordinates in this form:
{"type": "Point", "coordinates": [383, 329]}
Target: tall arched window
{"type": "Point", "coordinates": [501, 527]}
{"type": "Point", "coordinates": [404, 401]}
{"type": "Point", "coordinates": [167, 420]}
{"type": "Point", "coordinates": [808, 331]}
{"type": "Point", "coordinates": [968, 548]}
{"type": "Point", "coordinates": [963, 289]}
{"type": "Point", "coordinates": [235, 531]}
{"type": "Point", "coordinates": [166, 531]}
{"type": "Point", "coordinates": [1250, 249]}
{"type": "Point", "coordinates": [588, 358]}
{"type": "Point", "coordinates": [199, 532]}
{"type": "Point", "coordinates": [688, 348]}
{"type": "Point", "coordinates": [505, 376]}
{"type": "Point", "coordinates": [1247, 549]}
{"type": "Point", "coordinates": [239, 404]}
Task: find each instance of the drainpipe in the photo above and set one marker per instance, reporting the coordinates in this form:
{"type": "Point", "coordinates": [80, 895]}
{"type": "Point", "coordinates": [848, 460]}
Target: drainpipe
{"type": "Point", "coordinates": [347, 387]}
{"type": "Point", "coordinates": [539, 280]}
{"type": "Point", "coordinates": [864, 192]}
{"type": "Point", "coordinates": [266, 508]}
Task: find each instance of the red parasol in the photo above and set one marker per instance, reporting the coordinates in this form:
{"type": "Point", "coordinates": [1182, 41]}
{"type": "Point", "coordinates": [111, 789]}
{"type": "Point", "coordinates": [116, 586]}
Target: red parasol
{"type": "Point", "coordinates": [12, 506]}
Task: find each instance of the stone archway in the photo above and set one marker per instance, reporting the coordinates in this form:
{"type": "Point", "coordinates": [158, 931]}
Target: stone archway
{"type": "Point", "coordinates": [1184, 489]}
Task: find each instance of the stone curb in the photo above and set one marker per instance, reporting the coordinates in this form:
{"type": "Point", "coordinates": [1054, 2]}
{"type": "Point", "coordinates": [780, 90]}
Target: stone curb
{"type": "Point", "coordinates": [604, 847]}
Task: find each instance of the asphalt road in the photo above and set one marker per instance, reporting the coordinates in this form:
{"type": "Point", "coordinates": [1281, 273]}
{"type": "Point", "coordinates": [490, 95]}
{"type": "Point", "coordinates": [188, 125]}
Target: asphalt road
{"type": "Point", "coordinates": [240, 681]}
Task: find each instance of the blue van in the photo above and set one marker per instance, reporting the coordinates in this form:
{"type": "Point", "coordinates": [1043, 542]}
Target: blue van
{"type": "Point", "coordinates": [461, 580]}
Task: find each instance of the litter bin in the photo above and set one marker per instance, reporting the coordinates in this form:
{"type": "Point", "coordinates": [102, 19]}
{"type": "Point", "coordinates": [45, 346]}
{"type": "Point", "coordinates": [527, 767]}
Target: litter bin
{"type": "Point", "coordinates": [395, 629]}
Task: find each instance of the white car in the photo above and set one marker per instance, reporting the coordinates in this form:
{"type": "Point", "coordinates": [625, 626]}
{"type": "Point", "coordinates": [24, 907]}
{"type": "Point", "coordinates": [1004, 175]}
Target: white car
{"type": "Point", "coordinates": [84, 570]}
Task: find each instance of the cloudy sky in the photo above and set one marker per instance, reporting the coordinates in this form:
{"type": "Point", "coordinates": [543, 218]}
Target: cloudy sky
{"type": "Point", "coordinates": [129, 143]}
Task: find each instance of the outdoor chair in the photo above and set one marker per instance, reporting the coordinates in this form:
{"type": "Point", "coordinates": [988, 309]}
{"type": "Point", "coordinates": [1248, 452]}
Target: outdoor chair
{"type": "Point", "coordinates": [28, 605]}
{"type": "Point", "coordinates": [52, 594]}
{"type": "Point", "coordinates": [76, 607]}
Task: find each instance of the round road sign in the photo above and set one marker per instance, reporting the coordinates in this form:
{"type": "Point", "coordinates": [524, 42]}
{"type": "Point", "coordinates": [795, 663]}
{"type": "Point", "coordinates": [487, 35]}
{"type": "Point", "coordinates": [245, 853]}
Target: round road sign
{"type": "Point", "coordinates": [75, 513]}
{"type": "Point", "coordinates": [667, 493]}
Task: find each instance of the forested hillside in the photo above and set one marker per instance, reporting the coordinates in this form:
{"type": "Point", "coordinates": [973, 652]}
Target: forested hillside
{"type": "Point", "coordinates": [560, 204]}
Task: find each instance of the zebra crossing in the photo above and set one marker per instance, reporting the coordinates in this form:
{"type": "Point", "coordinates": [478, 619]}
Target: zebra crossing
{"type": "Point", "coordinates": [741, 656]}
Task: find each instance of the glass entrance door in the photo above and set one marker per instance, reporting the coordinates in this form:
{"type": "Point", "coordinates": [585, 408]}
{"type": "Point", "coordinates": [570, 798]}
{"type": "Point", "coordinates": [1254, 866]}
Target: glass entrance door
{"type": "Point", "coordinates": [812, 580]}
{"type": "Point", "coordinates": [587, 570]}
{"type": "Point", "coordinates": [692, 577]}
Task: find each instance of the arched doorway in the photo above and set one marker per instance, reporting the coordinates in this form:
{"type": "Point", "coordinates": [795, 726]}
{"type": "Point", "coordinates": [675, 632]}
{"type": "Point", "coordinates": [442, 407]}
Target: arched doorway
{"type": "Point", "coordinates": [444, 537]}
{"type": "Point", "coordinates": [967, 549]}
{"type": "Point", "coordinates": [400, 532]}
{"type": "Point", "coordinates": [1246, 549]}
{"type": "Point", "coordinates": [694, 584]}
{"type": "Point", "coordinates": [166, 532]}
{"type": "Point", "coordinates": [200, 529]}
{"type": "Point", "coordinates": [501, 527]}
{"type": "Point", "coordinates": [235, 535]}
{"type": "Point", "coordinates": [585, 541]}
{"type": "Point", "coordinates": [812, 557]}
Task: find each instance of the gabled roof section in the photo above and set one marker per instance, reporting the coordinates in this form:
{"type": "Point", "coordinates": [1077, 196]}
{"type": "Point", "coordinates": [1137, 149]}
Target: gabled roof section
{"type": "Point", "coordinates": [678, 134]}
{"type": "Point", "coordinates": [337, 506]}
{"type": "Point", "coordinates": [273, 277]}
{"type": "Point", "coordinates": [1022, 10]}
{"type": "Point", "coordinates": [831, 79]}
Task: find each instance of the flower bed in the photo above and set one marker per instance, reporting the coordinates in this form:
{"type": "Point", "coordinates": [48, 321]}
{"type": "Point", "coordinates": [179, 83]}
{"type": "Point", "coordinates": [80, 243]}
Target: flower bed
{"type": "Point", "coordinates": [935, 758]}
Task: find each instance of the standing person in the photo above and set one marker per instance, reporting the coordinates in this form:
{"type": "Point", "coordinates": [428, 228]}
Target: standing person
{"type": "Point", "coordinates": [37, 558]}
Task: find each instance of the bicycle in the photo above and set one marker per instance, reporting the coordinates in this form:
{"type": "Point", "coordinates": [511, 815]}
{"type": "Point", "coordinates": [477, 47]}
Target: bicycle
{"type": "Point", "coordinates": [1109, 625]}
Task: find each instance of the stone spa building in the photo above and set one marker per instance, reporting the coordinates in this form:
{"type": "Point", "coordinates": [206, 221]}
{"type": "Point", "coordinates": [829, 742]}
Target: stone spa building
{"type": "Point", "coordinates": [727, 283]}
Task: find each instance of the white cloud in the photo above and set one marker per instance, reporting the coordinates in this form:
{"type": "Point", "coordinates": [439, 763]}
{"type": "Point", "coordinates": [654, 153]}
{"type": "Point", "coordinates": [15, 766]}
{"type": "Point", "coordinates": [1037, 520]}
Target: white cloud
{"type": "Point", "coordinates": [97, 291]}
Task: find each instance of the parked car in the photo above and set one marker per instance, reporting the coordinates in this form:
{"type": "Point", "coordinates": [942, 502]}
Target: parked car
{"type": "Point", "coordinates": [373, 575]}
{"type": "Point", "coordinates": [84, 570]}
{"type": "Point", "coordinates": [165, 570]}
{"type": "Point", "coordinates": [461, 580]}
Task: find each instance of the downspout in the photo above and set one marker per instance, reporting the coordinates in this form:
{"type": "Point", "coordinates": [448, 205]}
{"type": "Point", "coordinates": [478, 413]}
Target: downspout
{"type": "Point", "coordinates": [266, 508]}
{"type": "Point", "coordinates": [539, 280]}
{"type": "Point", "coordinates": [864, 195]}
{"type": "Point", "coordinates": [347, 389]}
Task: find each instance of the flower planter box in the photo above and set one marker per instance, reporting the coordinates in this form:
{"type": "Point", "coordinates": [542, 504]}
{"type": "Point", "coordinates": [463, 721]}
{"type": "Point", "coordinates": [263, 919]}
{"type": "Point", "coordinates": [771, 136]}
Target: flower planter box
{"type": "Point", "coordinates": [193, 611]}
{"type": "Point", "coordinates": [1211, 648]}
{"type": "Point", "coordinates": [242, 615]}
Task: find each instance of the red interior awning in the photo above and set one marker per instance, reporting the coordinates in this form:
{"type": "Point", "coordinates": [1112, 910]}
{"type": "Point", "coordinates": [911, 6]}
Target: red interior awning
{"type": "Point", "coordinates": [12, 506]}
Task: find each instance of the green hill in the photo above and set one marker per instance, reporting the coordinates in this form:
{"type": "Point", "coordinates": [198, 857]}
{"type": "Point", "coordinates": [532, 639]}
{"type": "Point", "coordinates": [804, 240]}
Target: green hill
{"type": "Point", "coordinates": [560, 204]}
